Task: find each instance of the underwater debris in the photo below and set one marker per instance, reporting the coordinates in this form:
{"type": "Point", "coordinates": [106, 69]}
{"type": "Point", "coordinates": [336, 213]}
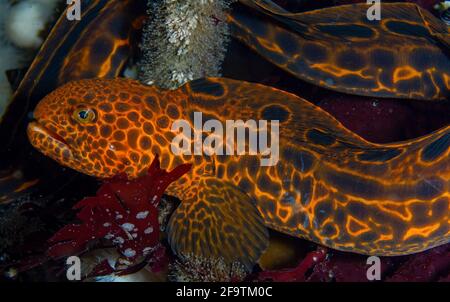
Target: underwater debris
{"type": "Point", "coordinates": [199, 269]}
{"type": "Point", "coordinates": [183, 41]}
{"type": "Point", "coordinates": [124, 213]}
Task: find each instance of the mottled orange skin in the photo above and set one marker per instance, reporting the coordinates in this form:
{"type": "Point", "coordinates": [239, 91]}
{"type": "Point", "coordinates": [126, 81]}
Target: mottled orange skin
{"type": "Point", "coordinates": [329, 186]}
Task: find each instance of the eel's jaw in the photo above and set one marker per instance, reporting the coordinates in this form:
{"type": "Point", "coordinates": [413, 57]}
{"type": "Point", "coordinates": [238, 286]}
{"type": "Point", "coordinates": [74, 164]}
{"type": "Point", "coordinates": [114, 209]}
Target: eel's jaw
{"type": "Point", "coordinates": [50, 144]}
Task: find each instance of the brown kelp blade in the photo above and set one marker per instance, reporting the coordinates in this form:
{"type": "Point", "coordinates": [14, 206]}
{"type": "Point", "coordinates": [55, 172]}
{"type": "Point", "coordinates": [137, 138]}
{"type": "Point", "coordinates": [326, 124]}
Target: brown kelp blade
{"type": "Point", "coordinates": [403, 55]}
{"type": "Point", "coordinates": [99, 45]}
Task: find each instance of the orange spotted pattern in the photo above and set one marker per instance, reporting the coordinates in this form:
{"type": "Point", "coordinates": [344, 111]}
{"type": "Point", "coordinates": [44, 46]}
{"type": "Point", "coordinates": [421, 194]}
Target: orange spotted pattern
{"type": "Point", "coordinates": [329, 186]}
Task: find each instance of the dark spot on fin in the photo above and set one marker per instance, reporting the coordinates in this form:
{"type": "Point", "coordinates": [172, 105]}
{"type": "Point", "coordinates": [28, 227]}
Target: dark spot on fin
{"type": "Point", "coordinates": [347, 31]}
{"type": "Point", "coordinates": [320, 138]}
{"type": "Point", "coordinates": [208, 87]}
{"type": "Point", "coordinates": [218, 221]}
{"type": "Point", "coordinates": [407, 29]}
{"type": "Point", "coordinates": [275, 113]}
{"type": "Point", "coordinates": [436, 148]}
{"type": "Point", "coordinates": [379, 155]}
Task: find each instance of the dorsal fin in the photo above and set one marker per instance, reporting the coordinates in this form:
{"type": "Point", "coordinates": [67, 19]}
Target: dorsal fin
{"type": "Point", "coordinates": [239, 100]}
{"type": "Point", "coordinates": [301, 122]}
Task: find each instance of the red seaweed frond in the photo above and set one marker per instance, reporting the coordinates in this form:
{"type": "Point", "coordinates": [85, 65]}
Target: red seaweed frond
{"type": "Point", "coordinates": [297, 274]}
{"type": "Point", "coordinates": [125, 213]}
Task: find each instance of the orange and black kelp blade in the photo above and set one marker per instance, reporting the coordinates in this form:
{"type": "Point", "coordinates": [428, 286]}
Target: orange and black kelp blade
{"type": "Point", "coordinates": [404, 55]}
{"type": "Point", "coordinates": [217, 220]}
{"type": "Point", "coordinates": [99, 45]}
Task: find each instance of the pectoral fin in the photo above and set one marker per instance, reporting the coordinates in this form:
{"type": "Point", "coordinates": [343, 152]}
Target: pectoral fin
{"type": "Point", "coordinates": [217, 220]}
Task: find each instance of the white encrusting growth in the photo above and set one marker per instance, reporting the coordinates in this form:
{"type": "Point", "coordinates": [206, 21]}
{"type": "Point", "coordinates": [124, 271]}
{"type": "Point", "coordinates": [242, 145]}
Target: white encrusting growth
{"type": "Point", "coordinates": [193, 268]}
{"type": "Point", "coordinates": [183, 41]}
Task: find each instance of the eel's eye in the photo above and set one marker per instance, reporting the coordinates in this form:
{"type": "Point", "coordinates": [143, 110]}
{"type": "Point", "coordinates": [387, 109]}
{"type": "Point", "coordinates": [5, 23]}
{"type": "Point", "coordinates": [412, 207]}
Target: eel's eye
{"type": "Point", "coordinates": [84, 115]}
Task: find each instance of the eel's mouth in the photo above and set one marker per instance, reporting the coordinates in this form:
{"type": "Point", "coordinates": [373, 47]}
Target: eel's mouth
{"type": "Point", "coordinates": [49, 142]}
{"type": "Point", "coordinates": [38, 127]}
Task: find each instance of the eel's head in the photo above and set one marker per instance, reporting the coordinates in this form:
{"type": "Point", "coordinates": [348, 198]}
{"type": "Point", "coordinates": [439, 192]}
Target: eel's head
{"type": "Point", "coordinates": [95, 127]}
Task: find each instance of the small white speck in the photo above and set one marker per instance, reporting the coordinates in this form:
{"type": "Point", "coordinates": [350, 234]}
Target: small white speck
{"type": "Point", "coordinates": [147, 250]}
{"type": "Point", "coordinates": [142, 215]}
{"type": "Point", "coordinates": [134, 235]}
{"type": "Point", "coordinates": [129, 253]}
{"type": "Point", "coordinates": [109, 236]}
{"type": "Point", "coordinates": [107, 224]}
{"type": "Point", "coordinates": [119, 216]}
{"type": "Point", "coordinates": [128, 226]}
{"type": "Point", "coordinates": [148, 230]}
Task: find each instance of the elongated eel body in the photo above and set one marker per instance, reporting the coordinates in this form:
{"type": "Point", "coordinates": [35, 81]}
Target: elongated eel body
{"type": "Point", "coordinates": [329, 186]}
{"type": "Point", "coordinates": [403, 55]}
